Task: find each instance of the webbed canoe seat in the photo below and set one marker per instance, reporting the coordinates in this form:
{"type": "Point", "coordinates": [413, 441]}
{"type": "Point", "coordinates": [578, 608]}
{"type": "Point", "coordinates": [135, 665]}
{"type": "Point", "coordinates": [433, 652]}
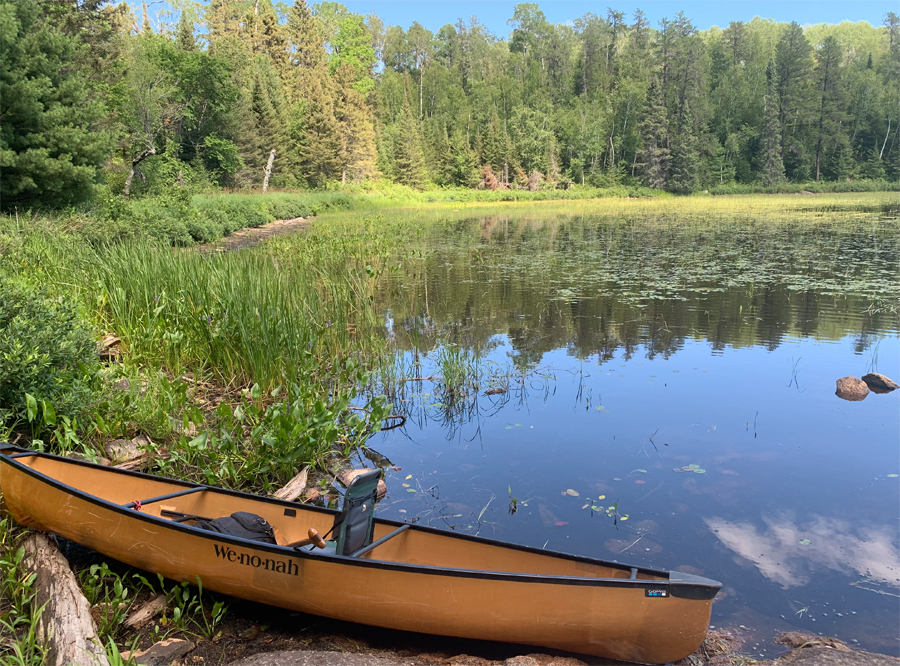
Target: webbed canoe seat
{"type": "Point", "coordinates": [354, 525]}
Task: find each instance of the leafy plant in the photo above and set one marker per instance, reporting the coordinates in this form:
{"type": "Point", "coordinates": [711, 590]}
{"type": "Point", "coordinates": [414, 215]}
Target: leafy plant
{"type": "Point", "coordinates": [19, 614]}
{"type": "Point", "coordinates": [107, 590]}
{"type": "Point", "coordinates": [46, 351]}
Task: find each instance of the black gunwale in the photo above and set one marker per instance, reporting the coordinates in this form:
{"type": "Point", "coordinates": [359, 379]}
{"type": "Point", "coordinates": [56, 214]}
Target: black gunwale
{"type": "Point", "coordinates": [707, 586]}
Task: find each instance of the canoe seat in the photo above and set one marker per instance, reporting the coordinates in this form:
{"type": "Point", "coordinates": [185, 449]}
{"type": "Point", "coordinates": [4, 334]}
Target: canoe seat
{"type": "Point", "coordinates": [354, 525]}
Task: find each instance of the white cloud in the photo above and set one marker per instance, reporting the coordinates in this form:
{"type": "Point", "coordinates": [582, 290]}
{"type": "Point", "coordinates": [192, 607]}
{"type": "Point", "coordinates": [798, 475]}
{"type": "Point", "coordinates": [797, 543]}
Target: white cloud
{"type": "Point", "coordinates": [777, 551]}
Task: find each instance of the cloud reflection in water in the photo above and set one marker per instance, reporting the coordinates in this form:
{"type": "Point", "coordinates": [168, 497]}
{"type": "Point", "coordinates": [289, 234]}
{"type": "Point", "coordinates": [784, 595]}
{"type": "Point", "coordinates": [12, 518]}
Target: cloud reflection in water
{"type": "Point", "coordinates": [778, 553]}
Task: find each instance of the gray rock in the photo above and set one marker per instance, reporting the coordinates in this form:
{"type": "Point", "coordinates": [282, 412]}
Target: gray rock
{"type": "Point", "coordinates": [120, 450]}
{"type": "Point", "coordinates": [824, 656]}
{"type": "Point", "coordinates": [878, 383]}
{"type": "Point", "coordinates": [851, 388]}
{"type": "Point", "coordinates": [319, 658]}
{"type": "Point", "coordinates": [75, 455]}
{"type": "Point", "coordinates": [162, 653]}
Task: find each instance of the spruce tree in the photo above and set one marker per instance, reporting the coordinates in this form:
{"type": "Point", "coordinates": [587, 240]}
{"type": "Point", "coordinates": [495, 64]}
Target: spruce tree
{"type": "Point", "coordinates": [409, 157]}
{"type": "Point", "coordinates": [316, 132]}
{"type": "Point", "coordinates": [830, 94]}
{"type": "Point", "coordinates": [873, 167]}
{"type": "Point", "coordinates": [772, 164]}
{"type": "Point", "coordinates": [685, 155]}
{"type": "Point", "coordinates": [793, 65]}
{"type": "Point", "coordinates": [358, 154]}
{"type": "Point", "coordinates": [654, 159]}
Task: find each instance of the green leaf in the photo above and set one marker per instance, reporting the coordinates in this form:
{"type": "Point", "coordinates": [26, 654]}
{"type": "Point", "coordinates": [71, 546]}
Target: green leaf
{"type": "Point", "coordinates": [805, 542]}
{"type": "Point", "coordinates": [31, 407]}
{"type": "Point", "coordinates": [199, 442]}
{"type": "Point", "coordinates": [48, 413]}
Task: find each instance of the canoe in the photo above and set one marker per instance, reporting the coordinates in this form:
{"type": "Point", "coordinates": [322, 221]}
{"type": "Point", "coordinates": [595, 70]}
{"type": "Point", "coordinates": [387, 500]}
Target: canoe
{"type": "Point", "coordinates": [407, 577]}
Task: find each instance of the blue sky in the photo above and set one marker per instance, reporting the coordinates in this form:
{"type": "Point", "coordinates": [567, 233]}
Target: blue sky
{"type": "Point", "coordinates": [703, 13]}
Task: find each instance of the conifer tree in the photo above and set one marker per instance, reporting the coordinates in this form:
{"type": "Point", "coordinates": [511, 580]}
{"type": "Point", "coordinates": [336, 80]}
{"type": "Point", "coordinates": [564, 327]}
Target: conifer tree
{"type": "Point", "coordinates": [654, 160]}
{"type": "Point", "coordinates": [358, 153]}
{"type": "Point", "coordinates": [793, 64]}
{"type": "Point", "coordinates": [315, 131]}
{"type": "Point", "coordinates": [772, 164]}
{"type": "Point", "coordinates": [51, 142]}
{"type": "Point", "coordinates": [830, 94]}
{"type": "Point", "coordinates": [685, 155]}
{"type": "Point", "coordinates": [409, 157]}
{"type": "Point", "coordinates": [874, 166]}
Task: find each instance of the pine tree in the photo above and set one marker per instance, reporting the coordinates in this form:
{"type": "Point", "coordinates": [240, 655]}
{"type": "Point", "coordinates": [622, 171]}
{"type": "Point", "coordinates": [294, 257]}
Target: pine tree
{"type": "Point", "coordinates": [654, 160]}
{"type": "Point", "coordinates": [772, 164]}
{"type": "Point", "coordinates": [685, 155]}
{"type": "Point", "coordinates": [51, 142]}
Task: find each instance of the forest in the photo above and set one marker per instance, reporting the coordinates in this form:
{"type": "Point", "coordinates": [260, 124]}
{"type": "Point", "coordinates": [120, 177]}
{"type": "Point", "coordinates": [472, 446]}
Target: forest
{"type": "Point", "coordinates": [250, 94]}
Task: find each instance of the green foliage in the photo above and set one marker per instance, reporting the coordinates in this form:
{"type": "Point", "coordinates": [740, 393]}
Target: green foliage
{"type": "Point", "coordinates": [262, 441]}
{"type": "Point", "coordinates": [51, 141]}
{"type": "Point", "coordinates": [46, 351]}
{"type": "Point", "coordinates": [108, 591]}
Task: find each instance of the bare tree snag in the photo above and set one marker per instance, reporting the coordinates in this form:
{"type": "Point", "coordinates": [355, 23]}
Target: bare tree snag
{"type": "Point", "coordinates": [268, 169]}
{"type": "Point", "coordinates": [66, 627]}
{"type": "Point", "coordinates": [134, 162]}
{"type": "Point", "coordinates": [294, 487]}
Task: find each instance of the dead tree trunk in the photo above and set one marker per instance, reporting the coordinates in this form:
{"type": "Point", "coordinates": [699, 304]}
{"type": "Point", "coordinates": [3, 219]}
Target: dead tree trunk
{"type": "Point", "coordinates": [66, 627]}
{"type": "Point", "coordinates": [268, 169]}
{"type": "Point", "coordinates": [134, 162]}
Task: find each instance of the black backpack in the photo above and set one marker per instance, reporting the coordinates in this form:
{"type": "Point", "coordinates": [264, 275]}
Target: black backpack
{"type": "Point", "coordinates": [240, 524]}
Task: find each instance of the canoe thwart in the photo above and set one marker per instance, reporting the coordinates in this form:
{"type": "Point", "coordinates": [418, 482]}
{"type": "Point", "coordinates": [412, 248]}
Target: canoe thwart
{"type": "Point", "coordinates": [375, 544]}
{"type": "Point", "coordinates": [136, 504]}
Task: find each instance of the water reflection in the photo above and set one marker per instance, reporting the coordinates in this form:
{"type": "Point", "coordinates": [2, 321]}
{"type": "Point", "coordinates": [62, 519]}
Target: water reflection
{"type": "Point", "coordinates": [630, 356]}
{"type": "Point", "coordinates": [789, 553]}
{"type": "Point", "coordinates": [596, 285]}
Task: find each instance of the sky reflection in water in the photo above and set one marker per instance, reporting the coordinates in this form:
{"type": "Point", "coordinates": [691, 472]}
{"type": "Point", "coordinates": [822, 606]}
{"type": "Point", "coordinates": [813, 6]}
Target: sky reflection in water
{"type": "Point", "coordinates": [797, 510]}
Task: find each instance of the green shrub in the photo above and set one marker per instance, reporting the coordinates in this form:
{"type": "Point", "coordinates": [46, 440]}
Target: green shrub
{"type": "Point", "coordinates": [46, 350]}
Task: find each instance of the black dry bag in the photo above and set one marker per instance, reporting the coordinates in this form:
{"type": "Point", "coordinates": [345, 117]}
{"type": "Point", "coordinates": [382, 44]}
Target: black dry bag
{"type": "Point", "coordinates": [240, 524]}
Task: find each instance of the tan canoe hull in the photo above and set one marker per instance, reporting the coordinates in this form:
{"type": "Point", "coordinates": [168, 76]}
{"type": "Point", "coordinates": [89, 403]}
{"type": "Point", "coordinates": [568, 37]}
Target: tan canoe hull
{"type": "Point", "coordinates": [576, 611]}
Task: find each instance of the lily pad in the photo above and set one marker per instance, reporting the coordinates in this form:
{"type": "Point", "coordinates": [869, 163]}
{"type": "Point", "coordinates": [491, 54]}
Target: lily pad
{"type": "Point", "coordinates": [572, 493]}
{"type": "Point", "coordinates": [805, 542]}
{"type": "Point", "coordinates": [893, 476]}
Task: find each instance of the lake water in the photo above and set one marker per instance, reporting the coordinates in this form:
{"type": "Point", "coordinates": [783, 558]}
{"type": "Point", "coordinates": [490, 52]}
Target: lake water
{"type": "Point", "coordinates": [669, 402]}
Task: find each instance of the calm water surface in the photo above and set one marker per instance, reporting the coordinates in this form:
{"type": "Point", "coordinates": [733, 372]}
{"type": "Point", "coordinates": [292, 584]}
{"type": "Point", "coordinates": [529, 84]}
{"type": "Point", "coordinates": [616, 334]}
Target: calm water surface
{"type": "Point", "coordinates": [669, 402]}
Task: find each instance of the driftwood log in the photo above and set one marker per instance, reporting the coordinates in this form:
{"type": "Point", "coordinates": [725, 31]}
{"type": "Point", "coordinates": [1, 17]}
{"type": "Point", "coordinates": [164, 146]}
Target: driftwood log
{"type": "Point", "coordinates": [294, 487]}
{"type": "Point", "coordinates": [66, 627]}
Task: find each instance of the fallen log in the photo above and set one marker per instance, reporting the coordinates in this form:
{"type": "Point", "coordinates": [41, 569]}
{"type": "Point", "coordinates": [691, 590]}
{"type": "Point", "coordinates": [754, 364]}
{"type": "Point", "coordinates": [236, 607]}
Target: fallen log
{"type": "Point", "coordinates": [66, 627]}
{"type": "Point", "coordinates": [146, 612]}
{"type": "Point", "coordinates": [294, 487]}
